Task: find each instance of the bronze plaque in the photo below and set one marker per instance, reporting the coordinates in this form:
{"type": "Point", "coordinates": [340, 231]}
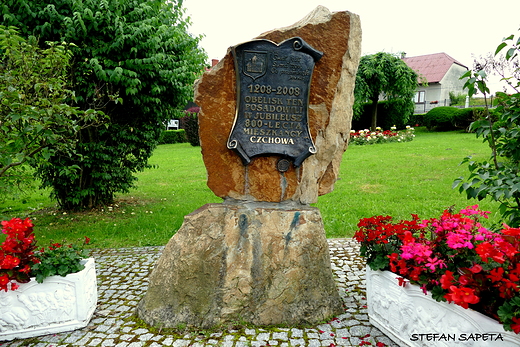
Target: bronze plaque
{"type": "Point", "coordinates": [273, 82]}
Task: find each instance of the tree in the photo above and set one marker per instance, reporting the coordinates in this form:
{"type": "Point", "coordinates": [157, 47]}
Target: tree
{"type": "Point", "coordinates": [135, 61]}
{"type": "Point", "coordinates": [499, 177]}
{"type": "Point", "coordinates": [35, 121]}
{"type": "Point", "coordinates": [384, 75]}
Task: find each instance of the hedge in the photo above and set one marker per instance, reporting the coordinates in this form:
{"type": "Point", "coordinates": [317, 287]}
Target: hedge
{"type": "Point", "coordinates": [450, 118]}
{"type": "Point", "coordinates": [173, 136]}
{"type": "Point", "coordinates": [387, 117]}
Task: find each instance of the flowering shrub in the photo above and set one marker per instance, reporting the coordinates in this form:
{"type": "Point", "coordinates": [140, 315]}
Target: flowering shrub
{"type": "Point", "coordinates": [17, 253]}
{"type": "Point", "coordinates": [453, 256]}
{"type": "Point", "coordinates": [20, 260]}
{"type": "Point", "coordinates": [367, 137]}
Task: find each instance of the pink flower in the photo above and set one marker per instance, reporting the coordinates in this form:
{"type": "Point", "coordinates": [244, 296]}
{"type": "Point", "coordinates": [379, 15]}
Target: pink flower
{"type": "Point", "coordinates": [473, 210]}
{"type": "Point", "coordinates": [435, 262]}
{"type": "Point", "coordinates": [457, 240]}
{"type": "Point", "coordinates": [418, 251]}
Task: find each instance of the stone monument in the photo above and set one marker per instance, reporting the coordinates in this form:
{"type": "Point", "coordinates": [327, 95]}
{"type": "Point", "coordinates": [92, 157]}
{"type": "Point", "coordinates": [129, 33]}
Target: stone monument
{"type": "Point", "coordinates": [274, 123]}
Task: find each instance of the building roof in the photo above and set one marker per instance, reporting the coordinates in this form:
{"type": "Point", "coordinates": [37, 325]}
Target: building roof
{"type": "Point", "coordinates": [433, 67]}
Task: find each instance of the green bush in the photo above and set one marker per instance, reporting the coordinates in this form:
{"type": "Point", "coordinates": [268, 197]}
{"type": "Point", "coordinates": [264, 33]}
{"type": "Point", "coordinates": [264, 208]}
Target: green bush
{"type": "Point", "coordinates": [451, 118]}
{"type": "Point", "coordinates": [417, 119]}
{"type": "Point", "coordinates": [173, 136]}
{"type": "Point", "coordinates": [36, 116]}
{"type": "Point", "coordinates": [440, 118]}
{"type": "Point", "coordinates": [466, 116]}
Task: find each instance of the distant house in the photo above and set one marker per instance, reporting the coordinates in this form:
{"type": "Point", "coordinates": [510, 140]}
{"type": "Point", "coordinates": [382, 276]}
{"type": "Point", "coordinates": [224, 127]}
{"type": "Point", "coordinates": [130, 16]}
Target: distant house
{"type": "Point", "coordinates": [442, 74]}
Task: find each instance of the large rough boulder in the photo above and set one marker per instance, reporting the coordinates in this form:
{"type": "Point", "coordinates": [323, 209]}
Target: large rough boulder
{"type": "Point", "coordinates": [338, 36]}
{"type": "Point", "coordinates": [256, 262]}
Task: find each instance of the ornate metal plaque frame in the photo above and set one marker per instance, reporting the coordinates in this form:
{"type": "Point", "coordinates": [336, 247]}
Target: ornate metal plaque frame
{"type": "Point", "coordinates": [273, 83]}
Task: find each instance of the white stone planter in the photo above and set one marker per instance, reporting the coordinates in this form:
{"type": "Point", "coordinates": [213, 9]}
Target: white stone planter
{"type": "Point", "coordinates": [411, 318]}
{"type": "Point", "coordinates": [56, 305]}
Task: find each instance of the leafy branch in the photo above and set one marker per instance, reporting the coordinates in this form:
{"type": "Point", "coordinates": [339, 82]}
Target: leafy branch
{"type": "Point", "coordinates": [500, 128]}
{"type": "Point", "coordinates": [35, 117]}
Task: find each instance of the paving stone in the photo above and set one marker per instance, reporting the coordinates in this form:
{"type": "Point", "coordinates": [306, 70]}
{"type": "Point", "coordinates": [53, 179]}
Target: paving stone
{"type": "Point", "coordinates": [297, 342]}
{"type": "Point", "coordinates": [263, 336]}
{"type": "Point", "coordinates": [146, 337]}
{"type": "Point", "coordinates": [296, 333]}
{"type": "Point", "coordinates": [108, 343]}
{"type": "Point", "coordinates": [95, 342]}
{"type": "Point", "coordinates": [280, 336]}
{"type": "Point", "coordinates": [313, 335]}
{"type": "Point", "coordinates": [314, 343]}
{"type": "Point", "coordinates": [360, 330]}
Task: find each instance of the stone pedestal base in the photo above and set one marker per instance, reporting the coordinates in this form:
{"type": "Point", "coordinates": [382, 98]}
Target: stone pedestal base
{"type": "Point", "coordinates": [258, 263]}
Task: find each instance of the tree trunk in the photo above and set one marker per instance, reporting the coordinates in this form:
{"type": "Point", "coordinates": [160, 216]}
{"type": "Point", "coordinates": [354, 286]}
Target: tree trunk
{"type": "Point", "coordinates": [373, 123]}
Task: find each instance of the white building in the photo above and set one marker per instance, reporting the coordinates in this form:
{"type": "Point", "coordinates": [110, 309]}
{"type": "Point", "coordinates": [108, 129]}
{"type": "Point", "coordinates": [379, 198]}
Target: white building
{"type": "Point", "coordinates": [442, 73]}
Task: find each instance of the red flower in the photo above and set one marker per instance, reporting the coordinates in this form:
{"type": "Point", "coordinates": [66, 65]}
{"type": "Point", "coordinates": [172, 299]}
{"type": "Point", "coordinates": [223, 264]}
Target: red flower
{"type": "Point", "coordinates": [9, 262]}
{"type": "Point", "coordinates": [462, 296]}
{"type": "Point", "coordinates": [54, 246]}
{"type": "Point", "coordinates": [447, 280]}
{"type": "Point", "coordinates": [402, 281]}
{"type": "Point", "coordinates": [486, 250]}
{"type": "Point", "coordinates": [4, 280]}
{"type": "Point", "coordinates": [516, 325]}
{"type": "Point", "coordinates": [515, 270]}
{"type": "Point", "coordinates": [511, 231]}
{"type": "Point", "coordinates": [496, 275]}
{"type": "Point", "coordinates": [464, 280]}
{"type": "Point", "coordinates": [476, 268]}
{"type": "Point", "coordinates": [25, 269]}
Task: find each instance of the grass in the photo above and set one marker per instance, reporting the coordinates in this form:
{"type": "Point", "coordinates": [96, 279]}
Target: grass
{"type": "Point", "coordinates": [399, 179]}
{"type": "Point", "coordinates": [147, 216]}
{"type": "Point", "coordinates": [475, 102]}
{"type": "Point", "coordinates": [395, 179]}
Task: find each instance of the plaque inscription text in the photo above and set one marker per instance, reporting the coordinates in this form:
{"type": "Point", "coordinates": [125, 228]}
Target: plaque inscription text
{"type": "Point", "coordinates": [273, 83]}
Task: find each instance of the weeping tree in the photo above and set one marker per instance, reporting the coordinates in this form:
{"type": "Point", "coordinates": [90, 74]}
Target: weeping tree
{"type": "Point", "coordinates": [132, 59]}
{"type": "Point", "coordinates": [384, 75]}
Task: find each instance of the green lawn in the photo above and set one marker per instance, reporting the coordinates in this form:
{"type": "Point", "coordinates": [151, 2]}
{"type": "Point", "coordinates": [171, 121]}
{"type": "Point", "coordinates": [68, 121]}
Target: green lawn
{"type": "Point", "coordinates": [399, 179]}
{"type": "Point", "coordinates": [395, 179]}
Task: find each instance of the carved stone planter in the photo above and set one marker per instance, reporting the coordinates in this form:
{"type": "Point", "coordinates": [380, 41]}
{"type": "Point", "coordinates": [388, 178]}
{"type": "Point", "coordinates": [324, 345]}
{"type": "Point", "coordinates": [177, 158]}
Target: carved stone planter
{"type": "Point", "coordinates": [56, 305]}
{"type": "Point", "coordinates": [410, 318]}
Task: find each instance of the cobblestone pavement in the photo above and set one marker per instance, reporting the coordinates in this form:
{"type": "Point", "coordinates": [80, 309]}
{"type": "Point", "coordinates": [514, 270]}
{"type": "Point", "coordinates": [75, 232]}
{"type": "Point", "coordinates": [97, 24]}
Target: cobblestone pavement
{"type": "Point", "coordinates": [122, 280]}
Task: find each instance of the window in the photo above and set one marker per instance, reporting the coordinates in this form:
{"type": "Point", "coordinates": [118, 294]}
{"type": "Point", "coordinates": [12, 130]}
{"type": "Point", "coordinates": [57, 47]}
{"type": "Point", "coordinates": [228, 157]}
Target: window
{"type": "Point", "coordinates": [419, 97]}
